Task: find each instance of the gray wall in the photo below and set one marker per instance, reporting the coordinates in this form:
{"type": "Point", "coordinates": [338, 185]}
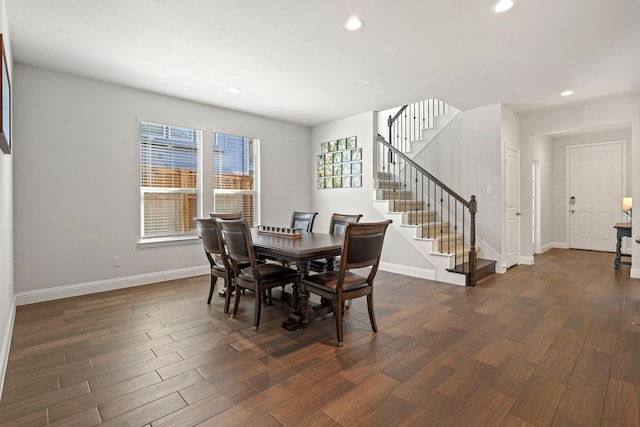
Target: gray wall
{"type": "Point", "coordinates": [7, 303]}
{"type": "Point", "coordinates": [466, 157]}
{"type": "Point", "coordinates": [77, 180]}
{"type": "Point", "coordinates": [397, 252]}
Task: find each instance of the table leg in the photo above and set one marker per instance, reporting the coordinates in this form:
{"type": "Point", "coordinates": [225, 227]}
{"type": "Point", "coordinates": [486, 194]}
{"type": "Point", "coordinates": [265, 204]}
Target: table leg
{"type": "Point", "coordinates": [618, 251]}
{"type": "Point", "coordinates": [300, 316]}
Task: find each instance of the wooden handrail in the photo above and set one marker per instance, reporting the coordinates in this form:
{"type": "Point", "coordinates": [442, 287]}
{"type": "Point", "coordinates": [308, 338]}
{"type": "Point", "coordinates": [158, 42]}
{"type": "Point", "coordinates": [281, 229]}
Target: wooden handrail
{"type": "Point", "coordinates": [409, 178]}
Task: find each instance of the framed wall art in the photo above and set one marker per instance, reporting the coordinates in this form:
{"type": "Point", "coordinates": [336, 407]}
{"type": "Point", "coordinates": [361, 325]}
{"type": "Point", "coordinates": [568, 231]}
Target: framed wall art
{"type": "Point", "coordinates": [339, 164]}
{"type": "Point", "coordinates": [5, 104]}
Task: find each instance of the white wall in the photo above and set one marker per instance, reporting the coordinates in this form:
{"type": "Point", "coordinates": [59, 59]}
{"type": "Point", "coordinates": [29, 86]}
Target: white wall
{"type": "Point", "coordinates": [542, 153]}
{"type": "Point", "coordinates": [76, 168]}
{"type": "Point", "coordinates": [559, 172]}
{"type": "Point", "coordinates": [600, 114]}
{"type": "Point", "coordinates": [466, 157]}
{"type": "Point", "coordinates": [7, 300]}
{"type": "Point", "coordinates": [397, 254]}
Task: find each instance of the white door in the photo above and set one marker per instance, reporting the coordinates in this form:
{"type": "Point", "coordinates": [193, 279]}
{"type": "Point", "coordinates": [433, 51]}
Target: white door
{"type": "Point", "coordinates": [512, 206]}
{"type": "Point", "coordinates": [595, 195]}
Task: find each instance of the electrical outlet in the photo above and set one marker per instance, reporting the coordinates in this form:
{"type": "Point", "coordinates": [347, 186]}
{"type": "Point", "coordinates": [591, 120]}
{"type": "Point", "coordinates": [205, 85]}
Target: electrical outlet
{"type": "Point", "coordinates": [116, 261]}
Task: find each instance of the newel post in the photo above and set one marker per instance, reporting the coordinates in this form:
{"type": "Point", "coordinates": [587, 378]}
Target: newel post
{"type": "Point", "coordinates": [473, 208]}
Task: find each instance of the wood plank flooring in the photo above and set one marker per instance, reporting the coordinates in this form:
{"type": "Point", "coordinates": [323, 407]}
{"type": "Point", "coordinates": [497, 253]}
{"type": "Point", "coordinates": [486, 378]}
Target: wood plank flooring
{"type": "Point", "coordinates": [552, 344]}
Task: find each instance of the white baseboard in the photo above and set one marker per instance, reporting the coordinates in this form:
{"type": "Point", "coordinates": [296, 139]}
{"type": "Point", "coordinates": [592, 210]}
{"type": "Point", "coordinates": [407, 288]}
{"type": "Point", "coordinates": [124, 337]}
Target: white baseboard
{"type": "Point", "coordinates": [545, 248]}
{"type": "Point", "coordinates": [526, 260]}
{"type": "Point", "coordinates": [67, 291]}
{"type": "Point", "coordinates": [408, 271]}
{"type": "Point", "coordinates": [6, 342]}
{"type": "Point", "coordinates": [634, 273]}
{"type": "Point", "coordinates": [560, 245]}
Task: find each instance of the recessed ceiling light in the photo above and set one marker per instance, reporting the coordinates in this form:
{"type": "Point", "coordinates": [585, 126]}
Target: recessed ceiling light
{"type": "Point", "coordinates": [567, 93]}
{"type": "Point", "coordinates": [503, 5]}
{"type": "Point", "coordinates": [354, 23]}
{"type": "Point", "coordinates": [234, 90]}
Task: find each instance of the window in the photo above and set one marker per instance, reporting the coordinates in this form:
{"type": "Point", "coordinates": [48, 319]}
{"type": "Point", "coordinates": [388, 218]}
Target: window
{"type": "Point", "coordinates": [168, 180]}
{"type": "Point", "coordinates": [236, 175]}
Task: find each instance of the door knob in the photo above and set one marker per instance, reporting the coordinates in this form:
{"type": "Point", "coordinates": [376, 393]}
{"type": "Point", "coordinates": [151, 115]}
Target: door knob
{"type": "Point", "coordinates": [518, 213]}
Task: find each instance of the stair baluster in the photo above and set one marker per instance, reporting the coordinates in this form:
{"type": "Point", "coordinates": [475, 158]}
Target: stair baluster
{"type": "Point", "coordinates": [411, 189]}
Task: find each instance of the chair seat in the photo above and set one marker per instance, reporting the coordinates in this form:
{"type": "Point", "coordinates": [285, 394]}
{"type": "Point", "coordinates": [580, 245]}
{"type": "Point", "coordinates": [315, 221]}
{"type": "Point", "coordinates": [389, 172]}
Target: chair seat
{"type": "Point", "coordinates": [269, 272]}
{"type": "Point", "coordinates": [218, 268]}
{"type": "Point", "coordinates": [329, 281]}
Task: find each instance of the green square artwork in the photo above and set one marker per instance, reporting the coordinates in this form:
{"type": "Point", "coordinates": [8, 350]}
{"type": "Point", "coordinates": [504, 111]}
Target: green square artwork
{"type": "Point", "coordinates": [346, 181]}
{"type": "Point", "coordinates": [321, 160]}
{"type": "Point", "coordinates": [342, 144]}
{"type": "Point", "coordinates": [328, 183]}
{"type": "Point", "coordinates": [320, 182]}
{"type": "Point", "coordinates": [337, 170]}
{"type": "Point", "coordinates": [337, 157]}
{"type": "Point", "coordinates": [324, 147]}
{"type": "Point", "coordinates": [346, 156]}
{"type": "Point", "coordinates": [337, 182]}
{"type": "Point", "coordinates": [320, 171]}
{"type": "Point", "coordinates": [333, 146]}
{"type": "Point", "coordinates": [328, 170]}
{"type": "Point", "coordinates": [351, 142]}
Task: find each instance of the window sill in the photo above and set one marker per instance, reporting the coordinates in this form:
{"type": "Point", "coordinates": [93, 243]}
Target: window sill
{"type": "Point", "coordinates": [168, 241]}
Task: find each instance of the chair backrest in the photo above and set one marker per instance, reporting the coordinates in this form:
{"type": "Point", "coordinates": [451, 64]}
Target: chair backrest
{"type": "Point", "coordinates": [237, 237]}
{"type": "Point", "coordinates": [226, 215]}
{"type": "Point", "coordinates": [208, 234]}
{"type": "Point", "coordinates": [362, 246]}
{"type": "Point", "coordinates": [339, 223]}
{"type": "Point", "coordinates": [209, 231]}
{"type": "Point", "coordinates": [303, 220]}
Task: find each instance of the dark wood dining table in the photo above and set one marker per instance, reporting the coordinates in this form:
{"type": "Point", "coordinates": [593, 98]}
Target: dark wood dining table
{"type": "Point", "coordinates": [299, 251]}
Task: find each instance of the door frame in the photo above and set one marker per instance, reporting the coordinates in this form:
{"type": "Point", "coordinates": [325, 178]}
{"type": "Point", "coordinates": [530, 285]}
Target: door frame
{"type": "Point", "coordinates": [518, 230]}
{"type": "Point", "coordinates": [567, 175]}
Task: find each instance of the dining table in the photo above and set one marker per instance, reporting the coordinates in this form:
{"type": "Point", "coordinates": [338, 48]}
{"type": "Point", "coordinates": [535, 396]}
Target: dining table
{"type": "Point", "coordinates": [299, 250]}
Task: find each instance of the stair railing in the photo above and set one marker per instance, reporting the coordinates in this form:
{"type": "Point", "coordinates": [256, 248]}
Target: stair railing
{"type": "Point", "coordinates": [408, 123]}
{"type": "Point", "coordinates": [441, 212]}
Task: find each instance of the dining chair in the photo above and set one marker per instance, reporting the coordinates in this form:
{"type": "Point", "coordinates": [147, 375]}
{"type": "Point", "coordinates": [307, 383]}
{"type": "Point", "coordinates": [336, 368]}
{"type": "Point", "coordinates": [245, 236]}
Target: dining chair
{"type": "Point", "coordinates": [216, 253]}
{"type": "Point", "coordinates": [337, 226]}
{"type": "Point", "coordinates": [303, 220]}
{"type": "Point", "coordinates": [257, 277]}
{"type": "Point", "coordinates": [361, 248]}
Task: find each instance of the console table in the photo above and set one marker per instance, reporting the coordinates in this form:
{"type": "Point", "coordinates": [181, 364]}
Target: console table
{"type": "Point", "coordinates": [623, 229]}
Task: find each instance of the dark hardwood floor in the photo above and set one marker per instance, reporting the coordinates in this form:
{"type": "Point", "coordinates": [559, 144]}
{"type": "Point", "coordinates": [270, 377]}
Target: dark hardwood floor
{"type": "Point", "coordinates": [549, 344]}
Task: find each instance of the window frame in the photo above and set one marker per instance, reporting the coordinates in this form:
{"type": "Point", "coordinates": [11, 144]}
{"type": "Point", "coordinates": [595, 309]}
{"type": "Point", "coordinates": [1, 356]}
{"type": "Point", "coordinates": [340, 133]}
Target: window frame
{"type": "Point", "coordinates": [199, 136]}
{"type": "Point", "coordinates": [255, 144]}
{"type": "Point", "coordinates": [205, 190]}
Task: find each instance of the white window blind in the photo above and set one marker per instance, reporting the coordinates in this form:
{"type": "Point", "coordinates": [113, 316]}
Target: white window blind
{"type": "Point", "coordinates": [168, 180]}
{"type": "Point", "coordinates": [236, 175]}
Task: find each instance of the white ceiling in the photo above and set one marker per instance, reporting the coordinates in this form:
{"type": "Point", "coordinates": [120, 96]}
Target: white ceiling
{"type": "Point", "coordinates": [295, 62]}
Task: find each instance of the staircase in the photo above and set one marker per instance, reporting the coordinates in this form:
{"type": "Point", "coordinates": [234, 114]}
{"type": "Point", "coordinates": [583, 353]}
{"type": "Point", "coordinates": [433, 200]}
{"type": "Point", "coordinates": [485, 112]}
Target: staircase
{"type": "Point", "coordinates": [433, 218]}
